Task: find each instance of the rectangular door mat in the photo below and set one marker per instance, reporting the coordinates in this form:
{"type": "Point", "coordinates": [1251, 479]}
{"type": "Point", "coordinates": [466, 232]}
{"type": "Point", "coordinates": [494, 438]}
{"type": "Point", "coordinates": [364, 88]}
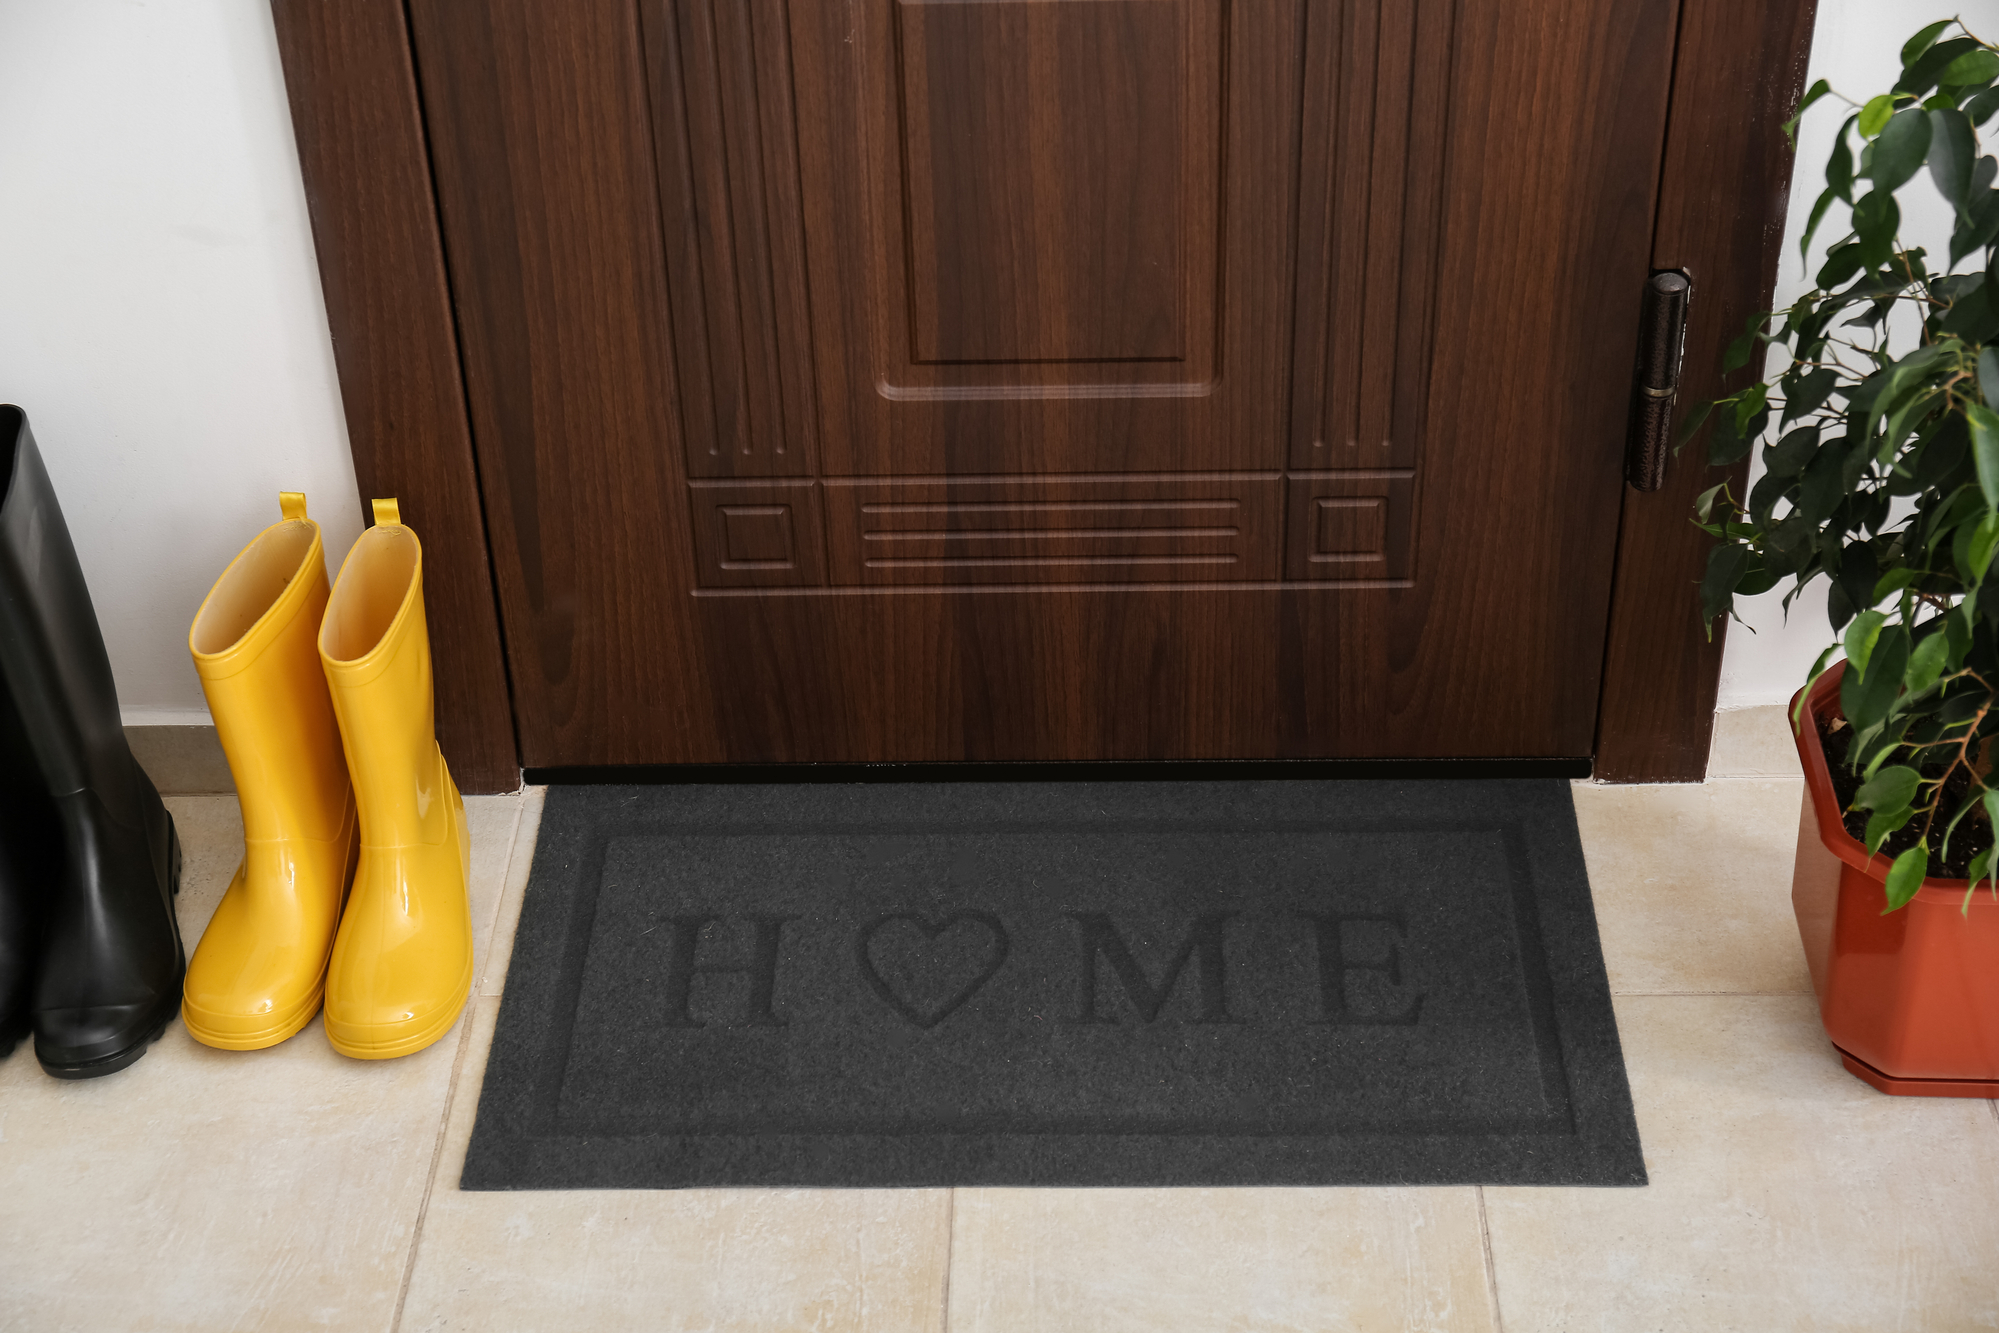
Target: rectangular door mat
{"type": "Point", "coordinates": [1143, 983]}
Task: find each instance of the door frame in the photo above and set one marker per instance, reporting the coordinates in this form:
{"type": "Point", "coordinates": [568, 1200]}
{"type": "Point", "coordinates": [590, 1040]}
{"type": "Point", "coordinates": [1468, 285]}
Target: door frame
{"type": "Point", "coordinates": [357, 112]}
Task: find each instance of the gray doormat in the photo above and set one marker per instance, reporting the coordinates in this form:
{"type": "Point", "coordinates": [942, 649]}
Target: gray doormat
{"type": "Point", "coordinates": [1145, 983]}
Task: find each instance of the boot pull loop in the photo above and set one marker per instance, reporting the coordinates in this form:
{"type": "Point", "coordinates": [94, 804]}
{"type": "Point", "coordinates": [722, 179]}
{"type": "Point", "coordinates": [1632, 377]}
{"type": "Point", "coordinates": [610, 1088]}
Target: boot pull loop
{"type": "Point", "coordinates": [292, 505]}
{"type": "Point", "coordinates": [387, 514]}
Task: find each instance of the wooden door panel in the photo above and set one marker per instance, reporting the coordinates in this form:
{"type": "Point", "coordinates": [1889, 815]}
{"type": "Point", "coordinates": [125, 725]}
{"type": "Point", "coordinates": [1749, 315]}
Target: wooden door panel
{"type": "Point", "coordinates": [1049, 236]}
{"type": "Point", "coordinates": [1059, 185]}
{"type": "Point", "coordinates": [725, 141]}
{"type": "Point", "coordinates": [1042, 379]}
{"type": "Point", "coordinates": [1379, 105]}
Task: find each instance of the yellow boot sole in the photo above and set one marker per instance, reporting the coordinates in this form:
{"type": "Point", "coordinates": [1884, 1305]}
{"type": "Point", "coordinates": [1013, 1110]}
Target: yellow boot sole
{"type": "Point", "coordinates": [205, 1028]}
{"type": "Point", "coordinates": [383, 1042]}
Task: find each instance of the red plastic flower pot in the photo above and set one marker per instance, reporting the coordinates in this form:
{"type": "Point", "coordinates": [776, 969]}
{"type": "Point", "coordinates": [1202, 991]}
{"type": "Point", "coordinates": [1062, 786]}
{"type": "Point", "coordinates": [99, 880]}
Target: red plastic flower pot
{"type": "Point", "coordinates": [1909, 998]}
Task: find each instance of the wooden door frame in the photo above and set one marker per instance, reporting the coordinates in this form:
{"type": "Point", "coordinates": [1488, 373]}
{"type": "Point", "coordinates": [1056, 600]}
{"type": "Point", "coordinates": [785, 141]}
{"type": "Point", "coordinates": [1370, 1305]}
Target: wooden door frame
{"type": "Point", "coordinates": [358, 116]}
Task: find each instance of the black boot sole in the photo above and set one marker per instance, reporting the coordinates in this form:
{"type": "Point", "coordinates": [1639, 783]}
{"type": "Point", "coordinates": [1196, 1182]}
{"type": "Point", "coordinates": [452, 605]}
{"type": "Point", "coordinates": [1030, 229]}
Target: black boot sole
{"type": "Point", "coordinates": [111, 1064]}
{"type": "Point", "coordinates": [169, 1002]}
{"type": "Point", "coordinates": [11, 1034]}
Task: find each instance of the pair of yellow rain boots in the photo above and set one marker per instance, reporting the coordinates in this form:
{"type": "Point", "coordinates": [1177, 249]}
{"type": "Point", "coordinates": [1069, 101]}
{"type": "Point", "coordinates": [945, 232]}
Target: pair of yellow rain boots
{"type": "Point", "coordinates": [323, 706]}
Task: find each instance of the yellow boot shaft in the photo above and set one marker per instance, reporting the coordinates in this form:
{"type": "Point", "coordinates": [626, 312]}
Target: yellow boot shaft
{"type": "Point", "coordinates": [256, 977]}
{"type": "Point", "coordinates": [402, 963]}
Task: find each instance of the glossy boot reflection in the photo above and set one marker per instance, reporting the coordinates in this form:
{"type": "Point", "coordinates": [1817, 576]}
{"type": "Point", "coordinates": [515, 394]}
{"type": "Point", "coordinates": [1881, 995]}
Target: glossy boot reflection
{"type": "Point", "coordinates": [258, 974]}
{"type": "Point", "coordinates": [402, 963]}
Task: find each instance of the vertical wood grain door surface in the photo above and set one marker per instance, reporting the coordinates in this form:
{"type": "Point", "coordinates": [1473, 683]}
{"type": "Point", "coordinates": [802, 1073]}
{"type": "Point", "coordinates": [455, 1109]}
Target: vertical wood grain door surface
{"type": "Point", "coordinates": [1048, 379]}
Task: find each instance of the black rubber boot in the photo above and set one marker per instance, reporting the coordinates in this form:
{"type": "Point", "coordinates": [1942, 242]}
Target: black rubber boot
{"type": "Point", "coordinates": [109, 976]}
{"type": "Point", "coordinates": [30, 866]}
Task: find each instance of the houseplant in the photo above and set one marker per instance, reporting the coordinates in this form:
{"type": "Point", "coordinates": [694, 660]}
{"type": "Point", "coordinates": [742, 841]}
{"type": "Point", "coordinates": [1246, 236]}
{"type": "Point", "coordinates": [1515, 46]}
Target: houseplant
{"type": "Point", "coordinates": [1880, 445]}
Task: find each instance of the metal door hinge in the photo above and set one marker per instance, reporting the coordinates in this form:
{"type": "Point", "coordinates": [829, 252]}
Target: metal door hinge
{"type": "Point", "coordinates": [1662, 337]}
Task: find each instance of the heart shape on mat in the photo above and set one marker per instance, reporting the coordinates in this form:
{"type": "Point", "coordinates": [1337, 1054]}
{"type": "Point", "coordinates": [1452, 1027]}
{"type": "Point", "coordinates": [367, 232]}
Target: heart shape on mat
{"type": "Point", "coordinates": [922, 977]}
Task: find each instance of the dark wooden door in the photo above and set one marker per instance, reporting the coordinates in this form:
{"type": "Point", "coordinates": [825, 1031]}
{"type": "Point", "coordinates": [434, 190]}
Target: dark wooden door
{"type": "Point", "coordinates": [1048, 379]}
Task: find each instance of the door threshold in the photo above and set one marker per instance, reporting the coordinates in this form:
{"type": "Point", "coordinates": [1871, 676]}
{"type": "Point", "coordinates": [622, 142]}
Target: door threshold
{"type": "Point", "coordinates": [1136, 770]}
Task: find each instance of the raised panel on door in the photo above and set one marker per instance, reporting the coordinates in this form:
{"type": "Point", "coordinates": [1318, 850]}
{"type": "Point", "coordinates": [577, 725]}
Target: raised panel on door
{"type": "Point", "coordinates": [1061, 195]}
{"type": "Point", "coordinates": [1048, 236]}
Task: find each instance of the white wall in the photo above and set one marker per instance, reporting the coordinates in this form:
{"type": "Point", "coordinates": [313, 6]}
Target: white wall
{"type": "Point", "coordinates": [160, 314]}
{"type": "Point", "coordinates": [1857, 47]}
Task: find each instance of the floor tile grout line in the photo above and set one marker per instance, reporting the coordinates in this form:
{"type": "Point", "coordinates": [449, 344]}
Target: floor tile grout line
{"type": "Point", "coordinates": [436, 1155]}
{"type": "Point", "coordinates": [950, 1249]}
{"type": "Point", "coordinates": [1491, 1270]}
{"type": "Point", "coordinates": [467, 1018]}
{"type": "Point", "coordinates": [506, 876]}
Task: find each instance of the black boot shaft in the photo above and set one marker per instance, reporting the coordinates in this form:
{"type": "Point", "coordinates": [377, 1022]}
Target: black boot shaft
{"type": "Point", "coordinates": [31, 866]}
{"type": "Point", "coordinates": [51, 651]}
{"type": "Point", "coordinates": [110, 966]}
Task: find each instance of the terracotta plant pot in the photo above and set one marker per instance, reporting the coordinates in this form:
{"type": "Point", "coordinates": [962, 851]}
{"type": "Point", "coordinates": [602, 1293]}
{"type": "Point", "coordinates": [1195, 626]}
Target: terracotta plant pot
{"type": "Point", "coordinates": [1910, 999]}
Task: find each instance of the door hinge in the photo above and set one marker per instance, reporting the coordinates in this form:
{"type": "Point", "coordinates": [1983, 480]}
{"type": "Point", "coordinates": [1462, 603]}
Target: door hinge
{"type": "Point", "coordinates": [1662, 336]}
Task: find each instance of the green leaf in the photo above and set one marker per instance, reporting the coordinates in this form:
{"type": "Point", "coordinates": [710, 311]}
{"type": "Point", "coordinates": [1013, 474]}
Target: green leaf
{"type": "Point", "coordinates": [1861, 636]}
{"type": "Point", "coordinates": [1981, 865]}
{"type": "Point", "coordinates": [1958, 631]}
{"type": "Point", "coordinates": [1737, 355]}
{"type": "Point", "coordinates": [1866, 697]}
{"type": "Point", "coordinates": [1882, 824]}
{"type": "Point", "coordinates": [1970, 69]}
{"type": "Point", "coordinates": [1922, 76]}
{"type": "Point", "coordinates": [1985, 445]}
{"type": "Point", "coordinates": [1876, 114]}
{"type": "Point", "coordinates": [1818, 90]}
{"type": "Point", "coordinates": [1891, 789]}
{"type": "Point", "coordinates": [1981, 107]}
{"type": "Point", "coordinates": [1841, 263]}
{"type": "Point", "coordinates": [1812, 225]}
{"type": "Point", "coordinates": [1875, 220]}
{"type": "Point", "coordinates": [1953, 147]}
{"type": "Point", "coordinates": [1704, 502]}
{"type": "Point", "coordinates": [1810, 394]}
{"type": "Point", "coordinates": [1964, 808]}
{"type": "Point", "coordinates": [1884, 392]}
{"type": "Point", "coordinates": [1978, 551]}
{"type": "Point", "coordinates": [1839, 166]}
{"type": "Point", "coordinates": [1789, 456]}
{"type": "Point", "coordinates": [1971, 316]}
{"type": "Point", "coordinates": [1822, 488]}
{"type": "Point", "coordinates": [1893, 582]}
{"type": "Point", "coordinates": [1909, 410]}
{"type": "Point", "coordinates": [1811, 679]}
{"type": "Point", "coordinates": [1728, 444]}
{"type": "Point", "coordinates": [1913, 49]}
{"type": "Point", "coordinates": [1906, 876]}
{"type": "Point", "coordinates": [1986, 863]}
{"type": "Point", "coordinates": [1988, 376]}
{"type": "Point", "coordinates": [1900, 149]}
{"type": "Point", "coordinates": [1926, 663]}
{"type": "Point", "coordinates": [1747, 406]}
{"type": "Point", "coordinates": [1692, 424]}
{"type": "Point", "coordinates": [1979, 223]}
{"type": "Point", "coordinates": [1726, 565]}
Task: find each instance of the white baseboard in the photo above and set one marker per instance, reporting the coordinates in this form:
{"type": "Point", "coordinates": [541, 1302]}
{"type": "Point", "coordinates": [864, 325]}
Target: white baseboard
{"type": "Point", "coordinates": [165, 717]}
{"type": "Point", "coordinates": [182, 760]}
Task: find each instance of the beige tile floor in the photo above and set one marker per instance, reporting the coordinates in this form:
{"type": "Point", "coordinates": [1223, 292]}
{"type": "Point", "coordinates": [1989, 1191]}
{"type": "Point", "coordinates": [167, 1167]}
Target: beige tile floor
{"type": "Point", "coordinates": [293, 1189]}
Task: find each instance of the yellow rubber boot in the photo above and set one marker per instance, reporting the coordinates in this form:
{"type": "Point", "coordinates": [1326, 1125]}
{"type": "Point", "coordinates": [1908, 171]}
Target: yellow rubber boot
{"type": "Point", "coordinates": [257, 975]}
{"type": "Point", "coordinates": [402, 965]}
